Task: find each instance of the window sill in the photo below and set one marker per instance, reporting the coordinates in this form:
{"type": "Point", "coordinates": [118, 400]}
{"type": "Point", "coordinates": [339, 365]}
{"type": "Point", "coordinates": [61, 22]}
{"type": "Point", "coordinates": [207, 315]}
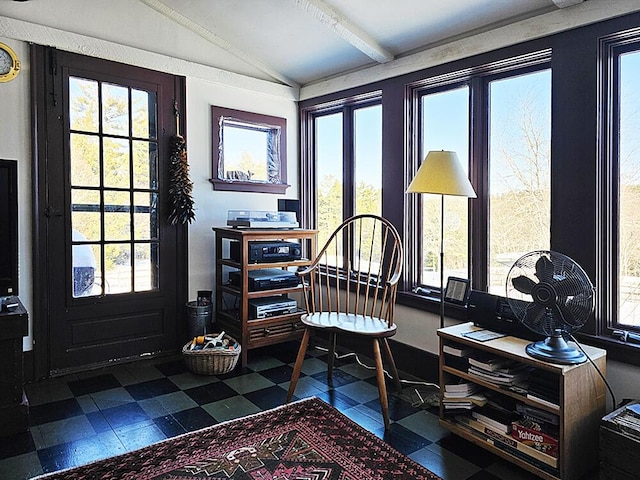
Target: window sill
{"type": "Point", "coordinates": [431, 303]}
{"type": "Point", "coordinates": [624, 352]}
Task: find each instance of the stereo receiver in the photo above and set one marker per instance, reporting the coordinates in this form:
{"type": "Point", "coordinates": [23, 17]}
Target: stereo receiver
{"type": "Point", "coordinates": [265, 251]}
{"type": "Point", "coordinates": [265, 279]}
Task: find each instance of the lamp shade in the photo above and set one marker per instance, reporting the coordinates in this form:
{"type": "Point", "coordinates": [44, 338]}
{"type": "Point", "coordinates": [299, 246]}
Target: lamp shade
{"type": "Point", "coordinates": [442, 173]}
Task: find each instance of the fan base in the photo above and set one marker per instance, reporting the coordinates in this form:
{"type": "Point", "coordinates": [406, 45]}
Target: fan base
{"type": "Point", "coordinates": [555, 350]}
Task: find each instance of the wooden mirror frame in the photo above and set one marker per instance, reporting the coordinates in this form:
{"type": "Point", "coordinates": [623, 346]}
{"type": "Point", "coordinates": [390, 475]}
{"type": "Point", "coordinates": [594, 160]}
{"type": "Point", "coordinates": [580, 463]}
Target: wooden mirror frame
{"type": "Point", "coordinates": [277, 154]}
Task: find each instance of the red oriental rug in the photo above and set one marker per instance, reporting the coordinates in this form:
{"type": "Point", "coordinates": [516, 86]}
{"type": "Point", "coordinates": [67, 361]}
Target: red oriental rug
{"type": "Point", "coordinates": [305, 440]}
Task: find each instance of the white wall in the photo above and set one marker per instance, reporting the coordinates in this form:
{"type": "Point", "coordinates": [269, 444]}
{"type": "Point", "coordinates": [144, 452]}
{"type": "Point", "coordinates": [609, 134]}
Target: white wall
{"type": "Point", "coordinates": [15, 144]}
{"type": "Point", "coordinates": [211, 206]}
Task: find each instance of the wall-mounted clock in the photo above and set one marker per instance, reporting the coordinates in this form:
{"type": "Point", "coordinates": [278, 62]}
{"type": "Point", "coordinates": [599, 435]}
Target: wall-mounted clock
{"type": "Point", "coordinates": [9, 63]}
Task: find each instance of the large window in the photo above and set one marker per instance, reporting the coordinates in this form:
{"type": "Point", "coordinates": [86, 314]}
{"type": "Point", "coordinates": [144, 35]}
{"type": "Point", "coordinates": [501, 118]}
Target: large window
{"type": "Point", "coordinates": [629, 193]}
{"type": "Point", "coordinates": [445, 126]}
{"type": "Point", "coordinates": [549, 131]}
{"type": "Point", "coordinates": [505, 146]}
{"type": "Point", "coordinates": [346, 164]}
{"type": "Point", "coordinates": [620, 164]}
{"type": "Point", "coordinates": [519, 171]}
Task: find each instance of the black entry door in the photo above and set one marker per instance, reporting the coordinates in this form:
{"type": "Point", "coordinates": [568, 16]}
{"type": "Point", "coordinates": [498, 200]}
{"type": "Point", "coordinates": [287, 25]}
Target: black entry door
{"type": "Point", "coordinates": [113, 267]}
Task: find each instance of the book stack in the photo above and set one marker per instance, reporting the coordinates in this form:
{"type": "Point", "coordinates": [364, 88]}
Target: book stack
{"type": "Point", "coordinates": [496, 416]}
{"type": "Point", "coordinates": [509, 444]}
{"type": "Point", "coordinates": [544, 387]}
{"type": "Point", "coordinates": [537, 428]}
{"type": "Point", "coordinates": [457, 356]}
{"type": "Point", "coordinates": [462, 396]}
{"type": "Point", "coordinates": [497, 370]}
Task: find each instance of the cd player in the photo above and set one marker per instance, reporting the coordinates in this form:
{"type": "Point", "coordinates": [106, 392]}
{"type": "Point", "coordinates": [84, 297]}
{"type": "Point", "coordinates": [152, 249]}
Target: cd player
{"type": "Point", "coordinates": [265, 251]}
{"type": "Point", "coordinates": [271, 306]}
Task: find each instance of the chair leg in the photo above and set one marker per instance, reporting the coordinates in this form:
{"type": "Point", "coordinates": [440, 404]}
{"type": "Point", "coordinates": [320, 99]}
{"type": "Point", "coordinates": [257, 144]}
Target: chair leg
{"type": "Point", "coordinates": [382, 388]}
{"type": "Point", "coordinates": [331, 359]}
{"type": "Point", "coordinates": [298, 366]}
{"type": "Point", "coordinates": [392, 364]}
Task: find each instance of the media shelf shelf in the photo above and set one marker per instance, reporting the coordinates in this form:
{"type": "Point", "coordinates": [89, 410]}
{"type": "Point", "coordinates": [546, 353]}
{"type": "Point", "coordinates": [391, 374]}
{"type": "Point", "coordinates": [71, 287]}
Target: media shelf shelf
{"type": "Point", "coordinates": [236, 321]}
{"type": "Point", "coordinates": [579, 409]}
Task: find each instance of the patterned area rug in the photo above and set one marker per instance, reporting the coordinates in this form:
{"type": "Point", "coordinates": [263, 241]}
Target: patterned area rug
{"type": "Point", "coordinates": [305, 440]}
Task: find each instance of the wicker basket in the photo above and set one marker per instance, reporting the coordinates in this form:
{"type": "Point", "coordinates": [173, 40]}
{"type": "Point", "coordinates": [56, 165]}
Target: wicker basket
{"type": "Point", "coordinates": [211, 361]}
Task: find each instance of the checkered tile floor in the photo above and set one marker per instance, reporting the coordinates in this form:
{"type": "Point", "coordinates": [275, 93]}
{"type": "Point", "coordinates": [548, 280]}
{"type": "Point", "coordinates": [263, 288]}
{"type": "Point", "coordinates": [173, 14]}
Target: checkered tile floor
{"type": "Point", "coordinates": [85, 417]}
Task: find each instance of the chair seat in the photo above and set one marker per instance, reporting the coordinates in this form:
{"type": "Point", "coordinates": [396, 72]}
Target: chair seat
{"type": "Point", "coordinates": [349, 323]}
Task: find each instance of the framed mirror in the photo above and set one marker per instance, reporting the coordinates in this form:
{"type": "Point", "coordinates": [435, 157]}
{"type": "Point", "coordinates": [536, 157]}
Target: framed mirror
{"type": "Point", "coordinates": [249, 151]}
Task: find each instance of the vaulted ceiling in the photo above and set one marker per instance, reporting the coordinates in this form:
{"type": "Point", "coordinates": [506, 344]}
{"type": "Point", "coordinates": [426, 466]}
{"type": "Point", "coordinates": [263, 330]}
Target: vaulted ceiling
{"type": "Point", "coordinates": [286, 42]}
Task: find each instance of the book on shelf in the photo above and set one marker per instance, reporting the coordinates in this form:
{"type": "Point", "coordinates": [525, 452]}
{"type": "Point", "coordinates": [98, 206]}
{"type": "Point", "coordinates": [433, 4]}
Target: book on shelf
{"type": "Point", "coordinates": [489, 433]}
{"type": "Point", "coordinates": [487, 361]}
{"type": "Point", "coordinates": [477, 399]}
{"type": "Point", "coordinates": [544, 401]}
{"type": "Point", "coordinates": [538, 419]}
{"type": "Point", "coordinates": [536, 462]}
{"type": "Point", "coordinates": [462, 387]}
{"type": "Point", "coordinates": [459, 363]}
{"type": "Point", "coordinates": [492, 423]}
{"type": "Point", "coordinates": [458, 406]}
{"type": "Point", "coordinates": [496, 377]}
{"type": "Point", "coordinates": [535, 439]}
{"type": "Point", "coordinates": [457, 350]}
{"type": "Point", "coordinates": [496, 417]}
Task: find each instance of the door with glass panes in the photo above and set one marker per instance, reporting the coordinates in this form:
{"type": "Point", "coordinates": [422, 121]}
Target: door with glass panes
{"type": "Point", "coordinates": [114, 279]}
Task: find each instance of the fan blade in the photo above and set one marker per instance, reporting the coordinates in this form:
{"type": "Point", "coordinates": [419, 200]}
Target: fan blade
{"type": "Point", "coordinates": [532, 316]}
{"type": "Point", "coordinates": [570, 287]}
{"type": "Point", "coordinates": [544, 269]}
{"type": "Point", "coordinates": [574, 313]}
{"type": "Point", "coordinates": [523, 284]}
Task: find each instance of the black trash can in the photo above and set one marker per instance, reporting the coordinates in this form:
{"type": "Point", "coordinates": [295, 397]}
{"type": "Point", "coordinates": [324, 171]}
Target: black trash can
{"type": "Point", "coordinates": [200, 319]}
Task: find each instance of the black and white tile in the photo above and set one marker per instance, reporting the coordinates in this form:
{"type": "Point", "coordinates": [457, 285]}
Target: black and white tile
{"type": "Point", "coordinates": [85, 417]}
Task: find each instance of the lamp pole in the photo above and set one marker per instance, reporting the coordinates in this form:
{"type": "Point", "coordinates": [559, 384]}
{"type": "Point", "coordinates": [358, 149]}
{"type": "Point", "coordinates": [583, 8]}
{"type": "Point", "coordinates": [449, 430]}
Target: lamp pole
{"type": "Point", "coordinates": [441, 260]}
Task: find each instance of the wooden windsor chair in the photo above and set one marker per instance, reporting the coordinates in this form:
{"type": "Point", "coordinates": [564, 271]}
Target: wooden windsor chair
{"type": "Point", "coordinates": [350, 289]}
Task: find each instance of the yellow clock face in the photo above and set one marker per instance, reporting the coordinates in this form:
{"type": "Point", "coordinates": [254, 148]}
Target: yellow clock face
{"type": "Point", "coordinates": [9, 63]}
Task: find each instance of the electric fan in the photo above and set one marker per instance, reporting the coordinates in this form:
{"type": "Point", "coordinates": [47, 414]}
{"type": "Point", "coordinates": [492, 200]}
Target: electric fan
{"type": "Point", "coordinates": [551, 295]}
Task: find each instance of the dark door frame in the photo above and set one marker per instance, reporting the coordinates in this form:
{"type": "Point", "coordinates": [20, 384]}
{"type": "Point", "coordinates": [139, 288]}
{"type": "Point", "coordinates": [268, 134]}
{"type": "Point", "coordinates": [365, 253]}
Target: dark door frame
{"type": "Point", "coordinates": [44, 106]}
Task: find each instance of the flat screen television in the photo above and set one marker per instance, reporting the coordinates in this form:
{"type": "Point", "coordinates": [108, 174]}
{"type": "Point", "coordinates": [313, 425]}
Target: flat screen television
{"type": "Point", "coordinates": [8, 228]}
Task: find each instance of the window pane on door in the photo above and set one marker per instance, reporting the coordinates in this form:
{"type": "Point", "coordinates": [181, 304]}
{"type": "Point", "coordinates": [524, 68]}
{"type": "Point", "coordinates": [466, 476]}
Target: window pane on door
{"type": "Point", "coordinates": [146, 267]}
{"type": "Point", "coordinates": [86, 218]}
{"type": "Point", "coordinates": [143, 105]}
{"type": "Point", "coordinates": [629, 192]}
{"type": "Point", "coordinates": [116, 163]}
{"type": "Point", "coordinates": [117, 261]}
{"type": "Point", "coordinates": [145, 216]}
{"type": "Point", "coordinates": [85, 160]}
{"type": "Point", "coordinates": [114, 188]}
{"type": "Point", "coordinates": [145, 164]}
{"type": "Point", "coordinates": [519, 171]}
{"type": "Point", "coordinates": [445, 126]}
{"type": "Point", "coordinates": [115, 110]}
{"type": "Point", "coordinates": [86, 268]}
{"type": "Point", "coordinates": [83, 104]}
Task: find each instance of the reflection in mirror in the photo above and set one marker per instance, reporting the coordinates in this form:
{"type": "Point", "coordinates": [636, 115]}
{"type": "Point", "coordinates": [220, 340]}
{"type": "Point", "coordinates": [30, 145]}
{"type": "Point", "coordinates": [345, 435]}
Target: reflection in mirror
{"type": "Point", "coordinates": [248, 152]}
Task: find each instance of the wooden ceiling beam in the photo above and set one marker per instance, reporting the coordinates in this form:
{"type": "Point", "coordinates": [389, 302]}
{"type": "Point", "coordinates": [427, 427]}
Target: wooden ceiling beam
{"type": "Point", "coordinates": [345, 29]}
{"type": "Point", "coordinates": [566, 3]}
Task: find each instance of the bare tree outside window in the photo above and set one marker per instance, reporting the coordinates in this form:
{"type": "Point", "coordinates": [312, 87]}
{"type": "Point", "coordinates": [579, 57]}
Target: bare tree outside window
{"type": "Point", "coordinates": [519, 171]}
{"type": "Point", "coordinates": [629, 192]}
